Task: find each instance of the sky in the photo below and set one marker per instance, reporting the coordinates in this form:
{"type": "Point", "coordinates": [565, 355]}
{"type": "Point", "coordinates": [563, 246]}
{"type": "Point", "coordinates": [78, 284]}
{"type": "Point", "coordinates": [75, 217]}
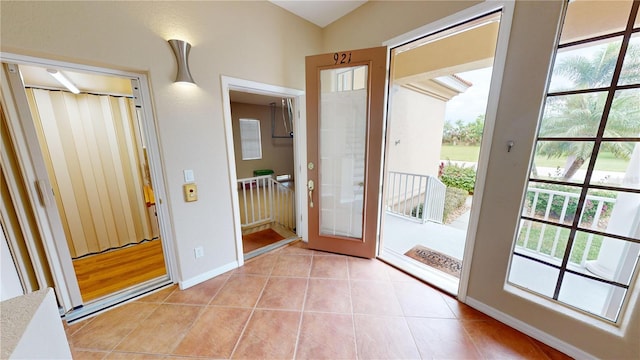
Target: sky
{"type": "Point", "coordinates": [473, 102]}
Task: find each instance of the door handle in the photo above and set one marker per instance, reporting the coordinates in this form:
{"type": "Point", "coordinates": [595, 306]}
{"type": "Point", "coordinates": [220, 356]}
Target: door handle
{"type": "Point", "coordinates": [311, 186]}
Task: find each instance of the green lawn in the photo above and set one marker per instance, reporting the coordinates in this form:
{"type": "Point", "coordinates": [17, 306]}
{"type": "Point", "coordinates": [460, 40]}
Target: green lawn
{"type": "Point", "coordinates": [606, 161]}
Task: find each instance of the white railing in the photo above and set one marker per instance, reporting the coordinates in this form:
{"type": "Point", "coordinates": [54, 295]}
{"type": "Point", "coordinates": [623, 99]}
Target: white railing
{"type": "Point", "coordinates": [264, 200]}
{"type": "Point", "coordinates": [539, 247]}
{"type": "Point", "coordinates": [417, 197]}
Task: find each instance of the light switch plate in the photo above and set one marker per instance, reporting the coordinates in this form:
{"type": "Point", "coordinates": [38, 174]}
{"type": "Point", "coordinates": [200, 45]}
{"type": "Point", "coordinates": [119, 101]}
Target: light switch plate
{"type": "Point", "coordinates": [188, 176]}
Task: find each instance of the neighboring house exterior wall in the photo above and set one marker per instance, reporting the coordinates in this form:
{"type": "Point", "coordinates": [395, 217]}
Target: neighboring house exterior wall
{"type": "Point", "coordinates": [415, 132]}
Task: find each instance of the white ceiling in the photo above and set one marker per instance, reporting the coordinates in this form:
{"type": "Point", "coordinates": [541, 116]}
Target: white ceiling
{"type": "Point", "coordinates": [321, 13]}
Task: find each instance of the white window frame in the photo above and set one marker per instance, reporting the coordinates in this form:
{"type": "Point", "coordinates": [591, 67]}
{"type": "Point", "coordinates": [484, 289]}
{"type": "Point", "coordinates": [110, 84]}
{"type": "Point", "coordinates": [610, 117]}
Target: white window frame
{"type": "Point", "coordinates": [250, 133]}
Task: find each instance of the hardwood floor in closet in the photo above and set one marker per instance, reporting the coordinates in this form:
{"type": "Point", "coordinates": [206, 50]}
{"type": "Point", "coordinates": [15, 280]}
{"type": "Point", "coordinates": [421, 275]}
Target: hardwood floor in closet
{"type": "Point", "coordinates": [103, 274]}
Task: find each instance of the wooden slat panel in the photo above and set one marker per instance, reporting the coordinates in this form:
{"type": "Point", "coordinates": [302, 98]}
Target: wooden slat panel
{"type": "Point", "coordinates": [87, 197]}
{"type": "Point", "coordinates": [91, 149]}
{"type": "Point", "coordinates": [101, 201]}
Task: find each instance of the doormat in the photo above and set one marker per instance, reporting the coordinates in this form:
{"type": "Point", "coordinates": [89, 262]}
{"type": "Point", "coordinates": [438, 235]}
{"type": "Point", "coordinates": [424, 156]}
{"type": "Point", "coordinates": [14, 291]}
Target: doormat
{"type": "Point", "coordinates": [436, 260]}
{"type": "Point", "coordinates": [259, 239]}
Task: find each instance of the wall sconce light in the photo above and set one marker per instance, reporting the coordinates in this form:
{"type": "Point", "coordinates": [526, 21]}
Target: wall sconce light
{"type": "Point", "coordinates": [181, 51]}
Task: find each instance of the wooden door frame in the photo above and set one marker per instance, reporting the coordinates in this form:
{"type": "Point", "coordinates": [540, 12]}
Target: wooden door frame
{"type": "Point", "coordinates": [299, 150]}
{"type": "Point", "coordinates": [507, 9]}
{"type": "Point", "coordinates": [49, 224]}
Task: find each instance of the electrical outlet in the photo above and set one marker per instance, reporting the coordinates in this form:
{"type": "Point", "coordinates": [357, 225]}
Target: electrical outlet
{"type": "Point", "coordinates": [198, 251]}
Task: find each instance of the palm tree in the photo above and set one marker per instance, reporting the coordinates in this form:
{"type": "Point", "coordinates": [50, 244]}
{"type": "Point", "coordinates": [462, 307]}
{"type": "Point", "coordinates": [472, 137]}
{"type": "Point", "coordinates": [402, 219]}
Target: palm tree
{"type": "Point", "coordinates": [579, 115]}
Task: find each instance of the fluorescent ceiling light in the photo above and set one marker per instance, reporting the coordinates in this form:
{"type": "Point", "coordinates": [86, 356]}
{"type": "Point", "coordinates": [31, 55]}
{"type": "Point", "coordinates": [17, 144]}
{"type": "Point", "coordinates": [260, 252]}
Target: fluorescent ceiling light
{"type": "Point", "coordinates": [63, 80]}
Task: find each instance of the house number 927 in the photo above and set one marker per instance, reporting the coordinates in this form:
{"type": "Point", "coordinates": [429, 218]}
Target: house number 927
{"type": "Point", "coordinates": [342, 58]}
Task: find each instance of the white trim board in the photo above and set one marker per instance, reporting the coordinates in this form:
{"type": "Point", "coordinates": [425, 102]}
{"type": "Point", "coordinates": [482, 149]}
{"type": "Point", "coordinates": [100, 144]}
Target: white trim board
{"type": "Point", "coordinates": [185, 284]}
{"type": "Point", "coordinates": [529, 330]}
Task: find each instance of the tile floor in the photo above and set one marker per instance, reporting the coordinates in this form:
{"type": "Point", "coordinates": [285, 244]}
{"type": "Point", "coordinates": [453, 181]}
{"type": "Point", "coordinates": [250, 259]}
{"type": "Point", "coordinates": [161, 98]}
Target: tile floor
{"type": "Point", "coordinates": [303, 304]}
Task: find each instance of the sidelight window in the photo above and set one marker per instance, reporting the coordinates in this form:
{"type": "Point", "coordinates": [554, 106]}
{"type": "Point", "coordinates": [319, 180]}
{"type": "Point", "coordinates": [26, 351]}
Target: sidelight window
{"type": "Point", "coordinates": [578, 239]}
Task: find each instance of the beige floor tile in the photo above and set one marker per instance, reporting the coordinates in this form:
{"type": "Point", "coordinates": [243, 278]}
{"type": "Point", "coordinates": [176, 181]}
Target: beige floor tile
{"type": "Point", "coordinates": [283, 293]}
{"type": "Point", "coordinates": [88, 355]}
{"type": "Point", "coordinates": [214, 333]}
{"type": "Point", "coordinates": [495, 340]}
{"type": "Point", "coordinates": [241, 291]}
{"type": "Point", "coordinates": [270, 334]}
{"type": "Point", "coordinates": [442, 339]}
{"type": "Point", "coordinates": [374, 297]}
{"type": "Point", "coordinates": [109, 328]}
{"type": "Point", "coordinates": [333, 267]}
{"type": "Point", "coordinates": [259, 266]}
{"type": "Point", "coordinates": [326, 336]}
{"type": "Point", "coordinates": [200, 294]}
{"type": "Point", "coordinates": [367, 269]}
{"type": "Point", "coordinates": [292, 265]}
{"type": "Point", "coordinates": [162, 330]}
{"type": "Point", "coordinates": [384, 337]}
{"type": "Point", "coordinates": [419, 300]}
{"type": "Point", "coordinates": [132, 356]}
{"type": "Point", "coordinates": [255, 312]}
{"type": "Point", "coordinates": [159, 296]}
{"type": "Point", "coordinates": [328, 295]}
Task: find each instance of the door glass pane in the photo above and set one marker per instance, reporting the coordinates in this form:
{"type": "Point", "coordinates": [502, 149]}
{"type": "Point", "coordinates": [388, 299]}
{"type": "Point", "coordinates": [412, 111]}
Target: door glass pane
{"type": "Point", "coordinates": [631, 67]}
{"type": "Point", "coordinates": [342, 145]}
{"type": "Point", "coordinates": [581, 67]}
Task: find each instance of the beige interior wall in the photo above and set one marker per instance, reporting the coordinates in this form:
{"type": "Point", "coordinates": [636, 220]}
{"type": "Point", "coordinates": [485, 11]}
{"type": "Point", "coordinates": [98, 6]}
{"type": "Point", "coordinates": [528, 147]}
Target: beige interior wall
{"type": "Point", "coordinates": [249, 40]}
{"type": "Point", "coordinates": [277, 153]}
{"type": "Point", "coordinates": [531, 46]}
{"type": "Point", "coordinates": [378, 21]}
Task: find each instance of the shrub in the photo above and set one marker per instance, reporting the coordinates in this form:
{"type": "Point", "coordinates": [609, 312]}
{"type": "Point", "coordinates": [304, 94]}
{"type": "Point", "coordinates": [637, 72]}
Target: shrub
{"type": "Point", "coordinates": [458, 176]}
{"type": "Point", "coordinates": [454, 199]}
{"type": "Point", "coordinates": [590, 207]}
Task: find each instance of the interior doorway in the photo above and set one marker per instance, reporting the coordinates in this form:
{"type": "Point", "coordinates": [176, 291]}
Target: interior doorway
{"type": "Point", "coordinates": [93, 151]}
{"type": "Point", "coordinates": [261, 132]}
{"type": "Point", "coordinates": [263, 144]}
{"type": "Point", "coordinates": [438, 96]}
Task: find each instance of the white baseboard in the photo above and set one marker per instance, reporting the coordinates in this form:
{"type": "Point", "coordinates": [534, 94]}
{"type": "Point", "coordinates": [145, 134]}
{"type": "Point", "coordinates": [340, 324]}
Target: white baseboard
{"type": "Point", "coordinates": [535, 333]}
{"type": "Point", "coordinates": [185, 284]}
